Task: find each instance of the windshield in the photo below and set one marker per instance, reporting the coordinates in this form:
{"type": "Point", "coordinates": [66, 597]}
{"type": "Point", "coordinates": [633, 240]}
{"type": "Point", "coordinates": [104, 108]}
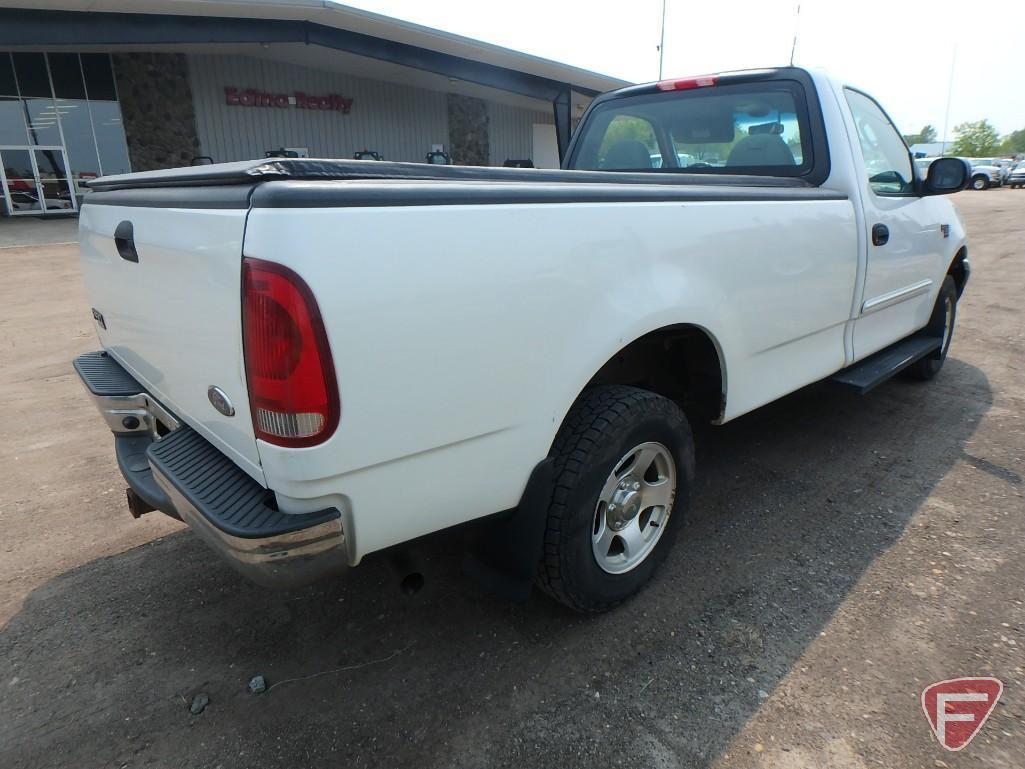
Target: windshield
{"type": "Point", "coordinates": [754, 128]}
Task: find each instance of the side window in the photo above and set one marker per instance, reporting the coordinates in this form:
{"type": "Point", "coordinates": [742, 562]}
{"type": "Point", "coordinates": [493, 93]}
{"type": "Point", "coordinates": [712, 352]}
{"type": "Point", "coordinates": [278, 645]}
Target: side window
{"type": "Point", "coordinates": [629, 144]}
{"type": "Point", "coordinates": [886, 157]}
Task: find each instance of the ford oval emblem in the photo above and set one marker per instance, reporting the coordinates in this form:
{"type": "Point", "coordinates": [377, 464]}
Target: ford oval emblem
{"type": "Point", "coordinates": [220, 401]}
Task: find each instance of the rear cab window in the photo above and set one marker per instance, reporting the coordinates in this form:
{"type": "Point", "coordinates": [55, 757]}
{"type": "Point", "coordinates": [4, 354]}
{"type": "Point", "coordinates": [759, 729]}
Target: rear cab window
{"type": "Point", "coordinates": [757, 128]}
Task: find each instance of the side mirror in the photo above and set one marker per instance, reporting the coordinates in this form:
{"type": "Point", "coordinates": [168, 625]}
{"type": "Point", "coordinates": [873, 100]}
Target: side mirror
{"type": "Point", "coordinates": [947, 175]}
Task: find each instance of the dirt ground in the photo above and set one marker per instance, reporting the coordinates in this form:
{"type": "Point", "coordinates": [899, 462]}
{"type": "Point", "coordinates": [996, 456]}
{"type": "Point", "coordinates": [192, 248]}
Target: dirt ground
{"type": "Point", "coordinates": [842, 553]}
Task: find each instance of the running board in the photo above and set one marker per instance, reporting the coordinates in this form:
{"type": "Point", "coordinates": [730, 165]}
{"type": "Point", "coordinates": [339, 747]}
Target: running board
{"type": "Point", "coordinates": [877, 368]}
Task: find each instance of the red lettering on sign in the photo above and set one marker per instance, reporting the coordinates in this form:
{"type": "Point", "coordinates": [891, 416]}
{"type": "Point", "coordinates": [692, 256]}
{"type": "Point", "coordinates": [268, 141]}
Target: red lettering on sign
{"type": "Point", "coordinates": [253, 98]}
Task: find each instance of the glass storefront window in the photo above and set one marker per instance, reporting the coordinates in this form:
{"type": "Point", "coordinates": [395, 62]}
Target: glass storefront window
{"type": "Point", "coordinates": [78, 138]}
{"type": "Point", "coordinates": [53, 101]}
{"type": "Point", "coordinates": [106, 113]}
{"type": "Point", "coordinates": [8, 86]}
{"type": "Point", "coordinates": [110, 137]}
{"type": "Point", "coordinates": [66, 74]}
{"type": "Point", "coordinates": [41, 116]}
{"type": "Point", "coordinates": [32, 78]}
{"type": "Point", "coordinates": [99, 77]}
{"type": "Point", "coordinates": [12, 121]}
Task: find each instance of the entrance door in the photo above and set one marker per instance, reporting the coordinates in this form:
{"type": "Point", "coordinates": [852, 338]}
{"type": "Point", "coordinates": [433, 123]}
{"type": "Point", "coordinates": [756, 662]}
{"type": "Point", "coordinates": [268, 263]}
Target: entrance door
{"type": "Point", "coordinates": [35, 181]}
{"type": "Point", "coordinates": [546, 146]}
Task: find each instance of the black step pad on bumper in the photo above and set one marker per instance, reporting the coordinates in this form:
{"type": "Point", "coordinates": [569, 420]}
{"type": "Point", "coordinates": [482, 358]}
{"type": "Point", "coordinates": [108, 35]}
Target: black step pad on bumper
{"type": "Point", "coordinates": [221, 491]}
{"type": "Point", "coordinates": [105, 376]}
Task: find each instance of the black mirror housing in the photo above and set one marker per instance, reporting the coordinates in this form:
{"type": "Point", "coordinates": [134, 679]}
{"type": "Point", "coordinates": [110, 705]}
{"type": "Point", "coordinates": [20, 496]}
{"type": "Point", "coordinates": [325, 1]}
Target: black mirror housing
{"type": "Point", "coordinates": [947, 175]}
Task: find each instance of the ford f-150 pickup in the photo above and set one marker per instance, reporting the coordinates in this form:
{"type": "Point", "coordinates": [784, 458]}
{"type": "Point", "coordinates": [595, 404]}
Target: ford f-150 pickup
{"type": "Point", "coordinates": [308, 361]}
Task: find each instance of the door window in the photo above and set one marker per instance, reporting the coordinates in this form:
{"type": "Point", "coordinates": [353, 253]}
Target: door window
{"type": "Point", "coordinates": [887, 160]}
{"type": "Point", "coordinates": [21, 181]}
{"type": "Point", "coordinates": [53, 178]}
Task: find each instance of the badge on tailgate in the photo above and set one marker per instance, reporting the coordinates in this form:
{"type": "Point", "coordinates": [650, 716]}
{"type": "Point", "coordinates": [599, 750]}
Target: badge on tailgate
{"type": "Point", "coordinates": [220, 401]}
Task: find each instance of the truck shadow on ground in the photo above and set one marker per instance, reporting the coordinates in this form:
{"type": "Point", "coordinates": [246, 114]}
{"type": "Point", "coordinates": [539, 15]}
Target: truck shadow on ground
{"type": "Point", "coordinates": [795, 502]}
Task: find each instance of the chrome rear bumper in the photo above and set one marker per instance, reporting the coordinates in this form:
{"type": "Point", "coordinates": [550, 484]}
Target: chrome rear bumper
{"type": "Point", "coordinates": [173, 468]}
{"type": "Point", "coordinates": [285, 559]}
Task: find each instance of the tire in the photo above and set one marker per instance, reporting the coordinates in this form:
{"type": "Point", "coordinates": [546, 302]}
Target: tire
{"type": "Point", "coordinates": [941, 323]}
{"type": "Point", "coordinates": [980, 183]}
{"type": "Point", "coordinates": [609, 430]}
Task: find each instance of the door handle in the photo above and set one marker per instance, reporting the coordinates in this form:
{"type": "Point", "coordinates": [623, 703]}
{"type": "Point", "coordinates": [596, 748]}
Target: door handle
{"type": "Point", "coordinates": [124, 242]}
{"type": "Point", "coordinates": [880, 234]}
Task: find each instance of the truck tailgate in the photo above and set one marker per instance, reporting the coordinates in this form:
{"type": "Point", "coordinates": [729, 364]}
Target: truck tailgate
{"type": "Point", "coordinates": [173, 318]}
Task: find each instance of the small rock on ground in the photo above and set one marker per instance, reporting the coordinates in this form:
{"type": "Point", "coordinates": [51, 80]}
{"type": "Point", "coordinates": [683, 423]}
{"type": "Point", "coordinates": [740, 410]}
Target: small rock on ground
{"type": "Point", "coordinates": [257, 684]}
{"type": "Point", "coordinates": [199, 703]}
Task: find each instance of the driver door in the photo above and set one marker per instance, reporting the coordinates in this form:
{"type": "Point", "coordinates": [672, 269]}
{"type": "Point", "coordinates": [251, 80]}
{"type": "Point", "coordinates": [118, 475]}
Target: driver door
{"type": "Point", "coordinates": [903, 239]}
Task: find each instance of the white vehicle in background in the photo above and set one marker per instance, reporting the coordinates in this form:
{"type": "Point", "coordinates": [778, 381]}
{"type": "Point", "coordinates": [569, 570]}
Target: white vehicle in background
{"type": "Point", "coordinates": [985, 174]}
{"type": "Point", "coordinates": [1016, 176]}
{"type": "Point", "coordinates": [312, 360]}
{"type": "Point", "coordinates": [1004, 164]}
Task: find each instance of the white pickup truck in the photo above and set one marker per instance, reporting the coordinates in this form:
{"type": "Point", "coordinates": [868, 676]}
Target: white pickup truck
{"type": "Point", "coordinates": [312, 360]}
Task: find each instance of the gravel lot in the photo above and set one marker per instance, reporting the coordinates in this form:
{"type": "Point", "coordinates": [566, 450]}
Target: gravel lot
{"type": "Point", "coordinates": [842, 553]}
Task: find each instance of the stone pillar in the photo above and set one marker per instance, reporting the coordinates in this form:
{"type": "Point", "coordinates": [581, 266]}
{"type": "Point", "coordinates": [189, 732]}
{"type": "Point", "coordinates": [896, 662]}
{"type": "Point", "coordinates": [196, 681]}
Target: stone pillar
{"type": "Point", "coordinates": [468, 143]}
{"type": "Point", "coordinates": [156, 109]}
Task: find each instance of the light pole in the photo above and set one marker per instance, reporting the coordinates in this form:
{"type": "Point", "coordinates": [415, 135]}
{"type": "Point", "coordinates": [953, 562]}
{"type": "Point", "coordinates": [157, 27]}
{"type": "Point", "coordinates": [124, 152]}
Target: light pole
{"type": "Point", "coordinates": [950, 90]}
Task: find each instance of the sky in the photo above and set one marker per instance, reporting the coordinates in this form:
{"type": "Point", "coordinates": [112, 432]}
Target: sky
{"type": "Point", "coordinates": [900, 51]}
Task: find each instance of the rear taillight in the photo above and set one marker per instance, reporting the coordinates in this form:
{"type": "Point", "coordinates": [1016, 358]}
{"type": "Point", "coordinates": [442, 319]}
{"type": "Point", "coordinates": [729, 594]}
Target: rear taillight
{"type": "Point", "coordinates": [686, 83]}
{"type": "Point", "coordinates": [292, 387]}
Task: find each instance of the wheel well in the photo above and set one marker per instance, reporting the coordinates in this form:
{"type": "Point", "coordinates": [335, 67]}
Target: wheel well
{"type": "Point", "coordinates": [958, 271]}
{"type": "Point", "coordinates": [679, 362]}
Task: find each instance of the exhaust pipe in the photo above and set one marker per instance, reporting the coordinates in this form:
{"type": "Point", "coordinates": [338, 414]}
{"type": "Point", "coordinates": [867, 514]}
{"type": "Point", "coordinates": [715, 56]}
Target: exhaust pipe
{"type": "Point", "coordinates": [411, 581]}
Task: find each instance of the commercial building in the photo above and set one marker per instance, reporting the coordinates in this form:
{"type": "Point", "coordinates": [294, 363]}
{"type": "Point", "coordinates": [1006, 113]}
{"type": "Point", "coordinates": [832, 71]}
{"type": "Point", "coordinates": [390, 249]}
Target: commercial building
{"type": "Point", "coordinates": [95, 87]}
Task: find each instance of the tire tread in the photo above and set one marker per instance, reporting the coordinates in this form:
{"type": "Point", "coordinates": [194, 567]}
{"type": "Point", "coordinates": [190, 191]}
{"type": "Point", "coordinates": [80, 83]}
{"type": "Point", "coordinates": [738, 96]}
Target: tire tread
{"type": "Point", "coordinates": [590, 425]}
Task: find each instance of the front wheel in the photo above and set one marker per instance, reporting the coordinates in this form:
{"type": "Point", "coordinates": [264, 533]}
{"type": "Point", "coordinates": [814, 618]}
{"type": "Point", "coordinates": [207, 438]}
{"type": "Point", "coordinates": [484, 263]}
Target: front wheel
{"type": "Point", "coordinates": [624, 463]}
{"type": "Point", "coordinates": [941, 324]}
{"type": "Point", "coordinates": [980, 183]}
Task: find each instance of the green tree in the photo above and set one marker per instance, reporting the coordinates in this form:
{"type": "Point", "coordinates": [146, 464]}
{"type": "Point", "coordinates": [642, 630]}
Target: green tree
{"type": "Point", "coordinates": [1014, 142]}
{"type": "Point", "coordinates": [975, 139]}
{"type": "Point", "coordinates": [926, 136]}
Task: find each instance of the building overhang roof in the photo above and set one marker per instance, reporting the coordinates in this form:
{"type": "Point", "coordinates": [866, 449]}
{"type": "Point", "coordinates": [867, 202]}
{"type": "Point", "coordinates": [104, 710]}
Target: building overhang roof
{"type": "Point", "coordinates": [118, 23]}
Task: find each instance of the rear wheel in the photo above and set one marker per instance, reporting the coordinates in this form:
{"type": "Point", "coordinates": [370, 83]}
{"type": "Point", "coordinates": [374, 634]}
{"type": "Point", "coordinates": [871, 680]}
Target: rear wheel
{"type": "Point", "coordinates": [980, 182]}
{"type": "Point", "coordinates": [941, 324]}
{"type": "Point", "coordinates": [624, 462]}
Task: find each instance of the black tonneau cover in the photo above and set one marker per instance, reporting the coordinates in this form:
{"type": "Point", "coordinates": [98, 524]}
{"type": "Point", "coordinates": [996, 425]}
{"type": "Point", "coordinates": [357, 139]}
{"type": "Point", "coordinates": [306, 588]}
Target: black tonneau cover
{"type": "Point", "coordinates": [303, 169]}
